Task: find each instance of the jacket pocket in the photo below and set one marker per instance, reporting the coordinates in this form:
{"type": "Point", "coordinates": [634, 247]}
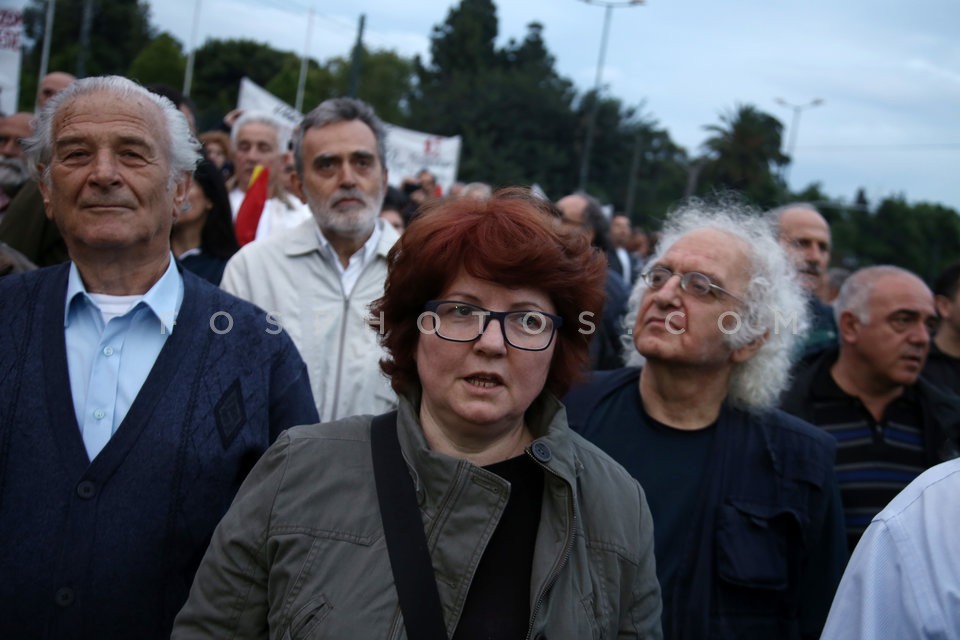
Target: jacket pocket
{"type": "Point", "coordinates": [306, 619]}
{"type": "Point", "coordinates": [753, 545]}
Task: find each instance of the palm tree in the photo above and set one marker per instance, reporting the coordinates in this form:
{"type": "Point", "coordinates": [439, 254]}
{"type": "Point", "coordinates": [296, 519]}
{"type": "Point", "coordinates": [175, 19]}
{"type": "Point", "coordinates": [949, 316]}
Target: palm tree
{"type": "Point", "coordinates": [743, 154]}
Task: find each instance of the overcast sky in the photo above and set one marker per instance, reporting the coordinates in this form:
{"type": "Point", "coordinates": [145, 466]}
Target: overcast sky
{"type": "Point", "coordinates": [887, 71]}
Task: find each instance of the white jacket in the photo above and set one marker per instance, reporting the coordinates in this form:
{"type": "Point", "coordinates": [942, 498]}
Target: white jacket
{"type": "Point", "coordinates": [287, 276]}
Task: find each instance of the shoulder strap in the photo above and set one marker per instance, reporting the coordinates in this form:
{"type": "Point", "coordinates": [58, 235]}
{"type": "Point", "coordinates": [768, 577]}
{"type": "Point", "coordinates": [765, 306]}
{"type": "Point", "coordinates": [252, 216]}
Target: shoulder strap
{"type": "Point", "coordinates": [403, 530]}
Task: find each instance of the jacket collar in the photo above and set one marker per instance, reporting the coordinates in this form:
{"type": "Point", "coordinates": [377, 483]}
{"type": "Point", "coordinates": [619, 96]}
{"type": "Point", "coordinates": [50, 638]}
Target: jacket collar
{"type": "Point", "coordinates": [553, 445]}
{"type": "Point", "coordinates": [303, 238]}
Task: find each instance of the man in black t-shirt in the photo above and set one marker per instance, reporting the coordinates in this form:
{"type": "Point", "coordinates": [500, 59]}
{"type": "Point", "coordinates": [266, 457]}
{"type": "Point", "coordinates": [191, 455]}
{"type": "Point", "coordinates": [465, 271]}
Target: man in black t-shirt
{"type": "Point", "coordinates": [748, 531]}
{"type": "Point", "coordinates": [943, 363]}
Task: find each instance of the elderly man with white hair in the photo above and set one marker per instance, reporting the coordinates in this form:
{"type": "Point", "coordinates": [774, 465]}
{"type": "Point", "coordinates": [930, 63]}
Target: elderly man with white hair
{"type": "Point", "coordinates": [136, 396]}
{"type": "Point", "coordinates": [747, 522]}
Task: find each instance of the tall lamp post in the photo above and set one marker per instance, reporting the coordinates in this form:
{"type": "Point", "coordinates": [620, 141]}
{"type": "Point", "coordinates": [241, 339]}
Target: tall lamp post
{"type": "Point", "coordinates": [794, 126]}
{"type": "Point", "coordinates": [609, 6]}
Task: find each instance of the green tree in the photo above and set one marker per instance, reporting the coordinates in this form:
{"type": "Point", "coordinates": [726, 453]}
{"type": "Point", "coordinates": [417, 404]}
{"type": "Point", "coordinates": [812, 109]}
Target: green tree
{"type": "Point", "coordinates": [660, 178]}
{"type": "Point", "coordinates": [509, 105]}
{"type": "Point", "coordinates": [161, 61]}
{"type": "Point", "coordinates": [118, 30]}
{"type": "Point", "coordinates": [386, 82]}
{"type": "Point", "coordinates": [923, 237]}
{"type": "Point", "coordinates": [743, 152]}
{"type": "Point", "coordinates": [464, 43]}
{"type": "Point", "coordinates": [219, 66]}
{"type": "Point", "coordinates": [316, 84]}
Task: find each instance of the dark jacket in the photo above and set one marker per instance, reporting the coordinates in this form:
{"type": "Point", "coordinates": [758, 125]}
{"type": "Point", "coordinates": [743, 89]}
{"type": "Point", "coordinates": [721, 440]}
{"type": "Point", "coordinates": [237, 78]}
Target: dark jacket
{"type": "Point", "coordinates": [940, 410]}
{"type": "Point", "coordinates": [767, 547]}
{"type": "Point", "coordinates": [26, 227]}
{"type": "Point", "coordinates": [107, 549]}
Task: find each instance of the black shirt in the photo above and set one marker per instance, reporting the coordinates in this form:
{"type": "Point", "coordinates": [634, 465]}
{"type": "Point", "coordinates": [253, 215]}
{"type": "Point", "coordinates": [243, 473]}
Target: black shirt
{"type": "Point", "coordinates": [669, 463]}
{"type": "Point", "coordinates": [942, 370]}
{"type": "Point", "coordinates": [498, 603]}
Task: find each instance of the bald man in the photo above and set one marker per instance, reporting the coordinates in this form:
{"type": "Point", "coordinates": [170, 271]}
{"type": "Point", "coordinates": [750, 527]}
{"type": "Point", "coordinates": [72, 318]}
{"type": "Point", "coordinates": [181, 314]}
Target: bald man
{"type": "Point", "coordinates": [52, 84]}
{"type": "Point", "coordinates": [889, 423]}
{"type": "Point", "coordinates": [805, 234]}
{"type": "Point", "coordinates": [583, 212]}
{"type": "Point", "coordinates": [25, 226]}
{"type": "Point", "coordinates": [13, 167]}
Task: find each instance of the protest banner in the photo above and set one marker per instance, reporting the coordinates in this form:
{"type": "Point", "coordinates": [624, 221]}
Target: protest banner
{"type": "Point", "coordinates": [408, 151]}
{"type": "Point", "coordinates": [11, 35]}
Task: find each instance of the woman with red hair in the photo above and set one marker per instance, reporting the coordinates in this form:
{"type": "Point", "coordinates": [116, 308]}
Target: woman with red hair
{"type": "Point", "coordinates": [524, 529]}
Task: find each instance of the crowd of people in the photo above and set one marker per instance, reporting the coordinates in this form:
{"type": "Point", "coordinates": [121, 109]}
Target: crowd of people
{"type": "Point", "coordinates": [253, 390]}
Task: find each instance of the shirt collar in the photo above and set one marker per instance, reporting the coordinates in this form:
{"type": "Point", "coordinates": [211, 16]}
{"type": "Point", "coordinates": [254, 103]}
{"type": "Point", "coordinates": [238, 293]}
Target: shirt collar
{"type": "Point", "coordinates": [163, 298]}
{"type": "Point", "coordinates": [367, 251]}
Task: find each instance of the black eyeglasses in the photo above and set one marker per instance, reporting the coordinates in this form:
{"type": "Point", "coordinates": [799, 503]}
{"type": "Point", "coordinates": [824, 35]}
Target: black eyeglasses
{"type": "Point", "coordinates": [456, 321]}
{"type": "Point", "coordinates": [692, 282]}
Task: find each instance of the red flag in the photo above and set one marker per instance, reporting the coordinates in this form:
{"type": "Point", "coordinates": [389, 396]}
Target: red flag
{"type": "Point", "coordinates": [248, 216]}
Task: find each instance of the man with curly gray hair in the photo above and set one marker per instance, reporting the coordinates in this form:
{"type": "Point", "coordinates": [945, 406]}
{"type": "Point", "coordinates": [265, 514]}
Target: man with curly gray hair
{"type": "Point", "coordinates": [747, 519]}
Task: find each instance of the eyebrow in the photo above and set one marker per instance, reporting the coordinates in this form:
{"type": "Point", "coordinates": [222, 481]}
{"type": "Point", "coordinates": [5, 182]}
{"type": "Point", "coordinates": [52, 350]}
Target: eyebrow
{"type": "Point", "coordinates": [916, 313]}
{"type": "Point", "coordinates": [123, 140]}
{"type": "Point", "coordinates": [523, 305]}
{"type": "Point", "coordinates": [712, 275]}
{"type": "Point", "coordinates": [320, 157]}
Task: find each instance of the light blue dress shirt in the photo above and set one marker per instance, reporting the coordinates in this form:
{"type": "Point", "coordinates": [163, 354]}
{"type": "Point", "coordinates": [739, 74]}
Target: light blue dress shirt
{"type": "Point", "coordinates": [109, 362]}
{"type": "Point", "coordinates": [903, 579]}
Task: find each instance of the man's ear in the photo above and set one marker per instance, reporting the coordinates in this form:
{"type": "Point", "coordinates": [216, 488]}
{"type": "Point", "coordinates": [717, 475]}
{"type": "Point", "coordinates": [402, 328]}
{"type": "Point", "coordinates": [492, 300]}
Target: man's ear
{"type": "Point", "coordinates": [943, 305]}
{"type": "Point", "coordinates": [747, 351]}
{"type": "Point", "coordinates": [848, 326]}
{"type": "Point", "coordinates": [44, 191]}
{"type": "Point", "coordinates": [180, 193]}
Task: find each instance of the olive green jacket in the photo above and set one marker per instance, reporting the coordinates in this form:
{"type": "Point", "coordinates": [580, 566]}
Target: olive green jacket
{"type": "Point", "coordinates": [301, 553]}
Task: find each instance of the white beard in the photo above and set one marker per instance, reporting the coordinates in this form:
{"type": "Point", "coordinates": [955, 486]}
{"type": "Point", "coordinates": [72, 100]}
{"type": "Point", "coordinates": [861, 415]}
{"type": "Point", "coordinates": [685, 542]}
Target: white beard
{"type": "Point", "coordinates": [356, 223]}
{"type": "Point", "coordinates": [13, 172]}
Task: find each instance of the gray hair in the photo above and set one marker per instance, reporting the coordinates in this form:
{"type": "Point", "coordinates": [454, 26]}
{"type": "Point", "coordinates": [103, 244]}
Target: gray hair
{"type": "Point", "coordinates": [261, 117]}
{"type": "Point", "coordinates": [182, 148]}
{"type": "Point", "coordinates": [855, 293]}
{"type": "Point", "coordinates": [775, 302]}
{"type": "Point", "coordinates": [340, 110]}
{"type": "Point", "coordinates": [479, 190]}
{"type": "Point", "coordinates": [774, 215]}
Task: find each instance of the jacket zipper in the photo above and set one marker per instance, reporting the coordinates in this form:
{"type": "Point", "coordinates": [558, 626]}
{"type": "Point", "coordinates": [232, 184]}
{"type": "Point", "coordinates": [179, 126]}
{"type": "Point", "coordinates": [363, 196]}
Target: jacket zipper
{"type": "Point", "coordinates": [343, 334]}
{"type": "Point", "coordinates": [567, 548]}
{"type": "Point", "coordinates": [343, 337]}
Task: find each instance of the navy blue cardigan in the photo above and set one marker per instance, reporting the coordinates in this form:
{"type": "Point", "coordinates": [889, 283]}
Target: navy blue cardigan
{"type": "Point", "coordinates": [108, 549]}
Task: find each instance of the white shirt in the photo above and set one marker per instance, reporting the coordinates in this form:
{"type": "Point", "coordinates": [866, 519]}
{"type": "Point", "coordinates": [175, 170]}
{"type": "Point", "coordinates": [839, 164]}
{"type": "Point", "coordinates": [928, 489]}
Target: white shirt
{"type": "Point", "coordinates": [903, 580]}
{"type": "Point", "coordinates": [278, 215]}
{"type": "Point", "coordinates": [624, 257]}
{"type": "Point", "coordinates": [357, 262]}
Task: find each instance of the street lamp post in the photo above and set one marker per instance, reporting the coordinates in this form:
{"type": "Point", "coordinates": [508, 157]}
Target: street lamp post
{"type": "Point", "coordinates": [609, 6]}
{"type": "Point", "coordinates": [794, 127]}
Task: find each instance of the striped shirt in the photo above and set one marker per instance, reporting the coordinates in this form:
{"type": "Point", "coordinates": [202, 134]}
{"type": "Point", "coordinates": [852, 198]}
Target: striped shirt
{"type": "Point", "coordinates": [875, 459]}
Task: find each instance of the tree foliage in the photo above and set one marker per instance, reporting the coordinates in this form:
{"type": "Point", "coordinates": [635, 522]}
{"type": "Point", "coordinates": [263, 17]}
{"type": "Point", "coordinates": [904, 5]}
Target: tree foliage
{"type": "Point", "coordinates": [743, 153]}
{"type": "Point", "coordinates": [523, 123]}
{"type": "Point", "coordinates": [219, 65]}
{"type": "Point", "coordinates": [520, 120]}
{"type": "Point", "coordinates": [118, 31]}
{"type": "Point", "coordinates": [160, 61]}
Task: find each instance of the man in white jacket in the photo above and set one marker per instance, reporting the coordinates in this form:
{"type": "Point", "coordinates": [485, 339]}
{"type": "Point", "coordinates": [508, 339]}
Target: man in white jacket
{"type": "Point", "coordinates": [318, 279]}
